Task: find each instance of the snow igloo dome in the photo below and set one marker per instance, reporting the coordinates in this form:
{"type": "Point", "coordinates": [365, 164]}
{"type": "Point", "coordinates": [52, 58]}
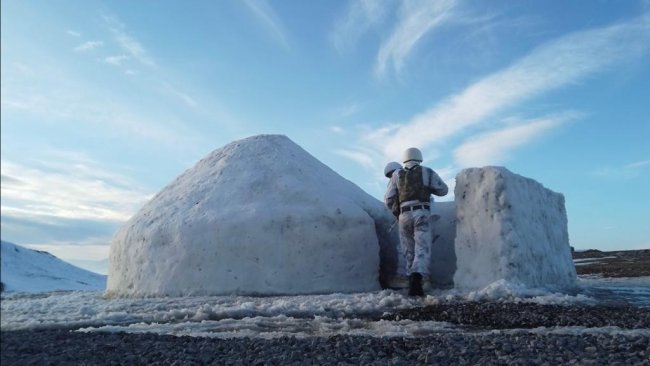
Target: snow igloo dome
{"type": "Point", "coordinates": [258, 216]}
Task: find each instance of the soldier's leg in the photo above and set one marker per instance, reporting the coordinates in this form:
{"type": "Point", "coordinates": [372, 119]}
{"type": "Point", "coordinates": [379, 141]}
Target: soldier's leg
{"type": "Point", "coordinates": [399, 279]}
{"type": "Point", "coordinates": [401, 262]}
{"type": "Point", "coordinates": [422, 243]}
{"type": "Point", "coordinates": [407, 244]}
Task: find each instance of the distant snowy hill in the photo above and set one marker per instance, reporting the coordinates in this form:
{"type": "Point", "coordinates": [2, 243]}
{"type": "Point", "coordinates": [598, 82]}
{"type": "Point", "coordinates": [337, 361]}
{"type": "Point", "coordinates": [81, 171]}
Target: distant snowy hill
{"type": "Point", "coordinates": [27, 270]}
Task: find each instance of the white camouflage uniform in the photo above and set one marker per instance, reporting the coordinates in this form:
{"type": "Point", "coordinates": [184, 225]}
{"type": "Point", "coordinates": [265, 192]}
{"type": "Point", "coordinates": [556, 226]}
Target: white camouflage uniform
{"type": "Point", "coordinates": [400, 271]}
{"type": "Point", "coordinates": [415, 225]}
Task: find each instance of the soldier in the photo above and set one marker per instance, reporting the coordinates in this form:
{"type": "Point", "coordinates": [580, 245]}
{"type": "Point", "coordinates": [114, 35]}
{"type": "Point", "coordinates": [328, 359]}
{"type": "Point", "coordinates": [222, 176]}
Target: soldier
{"type": "Point", "coordinates": [391, 168]}
{"type": "Point", "coordinates": [399, 280]}
{"type": "Point", "coordinates": [409, 197]}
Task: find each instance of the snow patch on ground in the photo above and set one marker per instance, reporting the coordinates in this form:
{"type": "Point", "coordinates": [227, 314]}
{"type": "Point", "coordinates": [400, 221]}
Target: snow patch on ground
{"type": "Point", "coordinates": [279, 326]}
{"type": "Point", "coordinates": [588, 261]}
{"type": "Point", "coordinates": [273, 316]}
{"type": "Point", "coordinates": [516, 292]}
{"type": "Point", "coordinates": [617, 289]}
{"type": "Point", "coordinates": [592, 259]}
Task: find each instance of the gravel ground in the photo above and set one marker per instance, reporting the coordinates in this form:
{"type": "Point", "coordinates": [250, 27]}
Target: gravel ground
{"type": "Point", "coordinates": [486, 339]}
{"type": "Point", "coordinates": [493, 315]}
{"type": "Point", "coordinates": [62, 346]}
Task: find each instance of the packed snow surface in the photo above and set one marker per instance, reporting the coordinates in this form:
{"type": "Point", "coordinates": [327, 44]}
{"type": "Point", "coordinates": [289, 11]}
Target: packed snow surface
{"type": "Point", "coordinates": [277, 316]}
{"type": "Point", "coordinates": [257, 216]}
{"type": "Point", "coordinates": [510, 228]}
{"type": "Point", "coordinates": [28, 270]}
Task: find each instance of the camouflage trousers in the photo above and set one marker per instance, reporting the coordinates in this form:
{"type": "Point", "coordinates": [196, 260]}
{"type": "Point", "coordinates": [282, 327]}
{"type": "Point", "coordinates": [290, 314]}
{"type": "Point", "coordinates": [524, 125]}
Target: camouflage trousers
{"type": "Point", "coordinates": [415, 238]}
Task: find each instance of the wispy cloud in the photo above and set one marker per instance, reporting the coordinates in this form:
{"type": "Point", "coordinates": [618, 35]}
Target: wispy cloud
{"type": "Point", "coordinates": [345, 111]}
{"type": "Point", "coordinates": [128, 43]}
{"type": "Point", "coordinates": [553, 65]}
{"type": "Point", "coordinates": [360, 17]}
{"type": "Point", "coordinates": [638, 164]}
{"type": "Point", "coordinates": [73, 33]}
{"type": "Point", "coordinates": [73, 190]}
{"type": "Point", "coordinates": [337, 130]}
{"type": "Point", "coordinates": [184, 97]}
{"type": "Point", "coordinates": [135, 50]}
{"type": "Point", "coordinates": [116, 60]}
{"type": "Point", "coordinates": [68, 200]}
{"type": "Point", "coordinates": [364, 158]}
{"type": "Point", "coordinates": [494, 147]}
{"type": "Point", "coordinates": [616, 173]}
{"type": "Point", "coordinates": [416, 20]}
{"type": "Point", "coordinates": [89, 45]}
{"type": "Point", "coordinates": [265, 13]}
{"type": "Point", "coordinates": [68, 251]}
{"type": "Point", "coordinates": [63, 101]}
{"type": "Point", "coordinates": [54, 95]}
{"type": "Point", "coordinates": [72, 233]}
{"type": "Point", "coordinates": [624, 172]}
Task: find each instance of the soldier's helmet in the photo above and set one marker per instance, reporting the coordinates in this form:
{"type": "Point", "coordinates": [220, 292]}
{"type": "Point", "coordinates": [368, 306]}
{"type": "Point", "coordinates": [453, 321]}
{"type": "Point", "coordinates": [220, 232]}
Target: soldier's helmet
{"type": "Point", "coordinates": [412, 153]}
{"type": "Point", "coordinates": [391, 167]}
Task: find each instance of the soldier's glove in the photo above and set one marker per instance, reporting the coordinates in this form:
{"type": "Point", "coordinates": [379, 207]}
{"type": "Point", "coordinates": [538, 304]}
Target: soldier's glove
{"type": "Point", "coordinates": [395, 208]}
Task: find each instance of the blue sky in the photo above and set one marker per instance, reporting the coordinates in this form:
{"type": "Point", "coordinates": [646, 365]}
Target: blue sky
{"type": "Point", "coordinates": [104, 103]}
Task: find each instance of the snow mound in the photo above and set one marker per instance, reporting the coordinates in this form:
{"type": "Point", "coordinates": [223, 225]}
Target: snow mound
{"type": "Point", "coordinates": [27, 270]}
{"type": "Point", "coordinates": [258, 216]}
{"type": "Point", "coordinates": [510, 228]}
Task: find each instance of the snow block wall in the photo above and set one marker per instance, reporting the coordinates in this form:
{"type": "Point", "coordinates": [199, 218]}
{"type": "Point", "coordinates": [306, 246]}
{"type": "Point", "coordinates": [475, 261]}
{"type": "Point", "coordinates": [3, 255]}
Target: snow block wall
{"type": "Point", "coordinates": [510, 228]}
{"type": "Point", "coordinates": [258, 216]}
{"type": "Point", "coordinates": [443, 252]}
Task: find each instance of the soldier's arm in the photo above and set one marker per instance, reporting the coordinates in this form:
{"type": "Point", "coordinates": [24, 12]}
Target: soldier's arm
{"type": "Point", "coordinates": [391, 198]}
{"type": "Point", "coordinates": [436, 185]}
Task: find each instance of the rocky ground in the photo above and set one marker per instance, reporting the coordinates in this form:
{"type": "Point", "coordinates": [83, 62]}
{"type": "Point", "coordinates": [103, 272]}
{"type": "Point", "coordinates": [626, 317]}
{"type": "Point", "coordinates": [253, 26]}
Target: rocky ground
{"type": "Point", "coordinates": [627, 263]}
{"type": "Point", "coordinates": [494, 315]}
{"type": "Point", "coordinates": [61, 347]}
{"type": "Point", "coordinates": [492, 333]}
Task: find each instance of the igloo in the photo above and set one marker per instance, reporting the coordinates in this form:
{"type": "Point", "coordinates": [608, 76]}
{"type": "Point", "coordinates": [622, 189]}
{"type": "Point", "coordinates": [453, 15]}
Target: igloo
{"type": "Point", "coordinates": [510, 228]}
{"type": "Point", "coordinates": [257, 216]}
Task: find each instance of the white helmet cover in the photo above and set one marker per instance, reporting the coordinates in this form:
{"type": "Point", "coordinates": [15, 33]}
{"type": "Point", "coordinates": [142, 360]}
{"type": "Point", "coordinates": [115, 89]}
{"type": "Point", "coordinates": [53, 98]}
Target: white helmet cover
{"type": "Point", "coordinates": [412, 153]}
{"type": "Point", "coordinates": [391, 167]}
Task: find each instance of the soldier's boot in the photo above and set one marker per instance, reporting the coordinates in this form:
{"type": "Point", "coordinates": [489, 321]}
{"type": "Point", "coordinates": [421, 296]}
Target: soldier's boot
{"type": "Point", "coordinates": [415, 285]}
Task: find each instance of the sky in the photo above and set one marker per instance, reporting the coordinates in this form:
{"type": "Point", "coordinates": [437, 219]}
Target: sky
{"type": "Point", "coordinates": [104, 103]}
